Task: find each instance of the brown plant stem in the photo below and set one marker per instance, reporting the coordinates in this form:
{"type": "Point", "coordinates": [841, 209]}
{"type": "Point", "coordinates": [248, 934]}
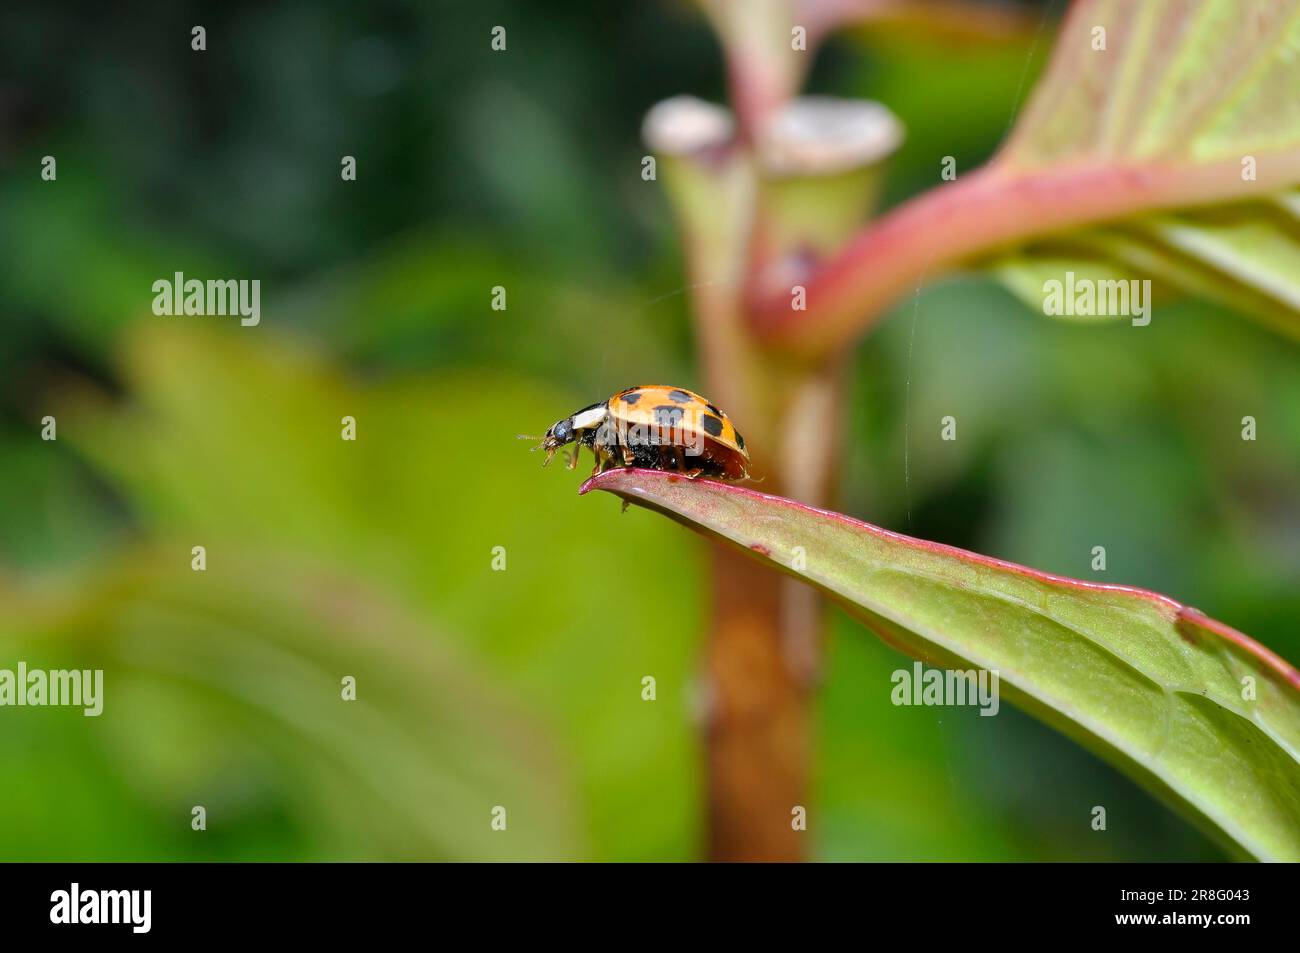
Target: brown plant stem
{"type": "Point", "coordinates": [757, 737]}
{"type": "Point", "coordinates": [763, 658]}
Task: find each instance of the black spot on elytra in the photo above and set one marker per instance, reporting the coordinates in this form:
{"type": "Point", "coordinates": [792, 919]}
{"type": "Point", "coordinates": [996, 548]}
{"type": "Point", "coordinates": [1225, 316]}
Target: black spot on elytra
{"type": "Point", "coordinates": [680, 397]}
{"type": "Point", "coordinates": [631, 398]}
{"type": "Point", "coordinates": [740, 441]}
{"type": "Point", "coordinates": [666, 415]}
{"type": "Point", "coordinates": [712, 425]}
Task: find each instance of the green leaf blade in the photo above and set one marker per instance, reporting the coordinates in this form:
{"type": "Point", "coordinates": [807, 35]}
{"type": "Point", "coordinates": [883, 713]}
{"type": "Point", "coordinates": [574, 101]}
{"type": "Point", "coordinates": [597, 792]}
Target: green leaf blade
{"type": "Point", "coordinates": [1155, 686]}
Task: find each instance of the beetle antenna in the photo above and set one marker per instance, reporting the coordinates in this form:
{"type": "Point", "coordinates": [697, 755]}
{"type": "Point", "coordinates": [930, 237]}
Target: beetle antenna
{"type": "Point", "coordinates": [528, 436]}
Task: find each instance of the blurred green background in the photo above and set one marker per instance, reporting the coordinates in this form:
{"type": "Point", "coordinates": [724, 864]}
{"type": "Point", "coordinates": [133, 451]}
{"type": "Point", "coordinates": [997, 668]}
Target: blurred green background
{"type": "Point", "coordinates": [519, 688]}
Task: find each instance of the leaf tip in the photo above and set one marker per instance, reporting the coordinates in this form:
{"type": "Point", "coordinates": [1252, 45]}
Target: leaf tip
{"type": "Point", "coordinates": [621, 481]}
{"type": "Point", "coordinates": [637, 482]}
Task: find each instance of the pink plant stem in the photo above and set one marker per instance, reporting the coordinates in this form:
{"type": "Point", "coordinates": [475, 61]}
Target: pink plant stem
{"type": "Point", "coordinates": [755, 93]}
{"type": "Point", "coordinates": [984, 210]}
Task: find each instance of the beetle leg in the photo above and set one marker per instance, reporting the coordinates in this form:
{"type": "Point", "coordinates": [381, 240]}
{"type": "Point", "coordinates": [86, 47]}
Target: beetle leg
{"type": "Point", "coordinates": [573, 458]}
{"type": "Point", "coordinates": [629, 458]}
{"type": "Point", "coordinates": [693, 474]}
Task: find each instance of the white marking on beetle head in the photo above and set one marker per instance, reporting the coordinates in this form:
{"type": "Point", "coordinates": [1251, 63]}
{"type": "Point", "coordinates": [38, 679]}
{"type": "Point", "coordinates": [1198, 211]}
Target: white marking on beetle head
{"type": "Point", "coordinates": [590, 418]}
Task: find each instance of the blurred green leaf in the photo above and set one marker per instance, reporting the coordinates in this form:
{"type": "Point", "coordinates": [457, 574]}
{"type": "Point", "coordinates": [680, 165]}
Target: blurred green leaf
{"type": "Point", "coordinates": [223, 689]}
{"type": "Point", "coordinates": [1155, 686]}
{"type": "Point", "coordinates": [232, 440]}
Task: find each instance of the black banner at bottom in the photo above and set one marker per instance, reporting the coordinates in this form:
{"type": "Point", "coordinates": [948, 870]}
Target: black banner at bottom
{"type": "Point", "coordinates": [137, 902]}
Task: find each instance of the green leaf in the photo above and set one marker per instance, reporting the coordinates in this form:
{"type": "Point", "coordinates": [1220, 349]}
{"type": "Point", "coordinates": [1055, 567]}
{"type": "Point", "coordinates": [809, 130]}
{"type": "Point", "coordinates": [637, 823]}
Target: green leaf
{"type": "Point", "coordinates": [1191, 83]}
{"type": "Point", "coordinates": [1243, 257]}
{"type": "Point", "coordinates": [1187, 88]}
{"type": "Point", "coordinates": [1167, 149]}
{"type": "Point", "coordinates": [1155, 686]}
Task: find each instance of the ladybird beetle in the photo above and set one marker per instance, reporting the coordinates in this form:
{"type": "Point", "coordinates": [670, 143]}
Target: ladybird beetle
{"type": "Point", "coordinates": [653, 426]}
